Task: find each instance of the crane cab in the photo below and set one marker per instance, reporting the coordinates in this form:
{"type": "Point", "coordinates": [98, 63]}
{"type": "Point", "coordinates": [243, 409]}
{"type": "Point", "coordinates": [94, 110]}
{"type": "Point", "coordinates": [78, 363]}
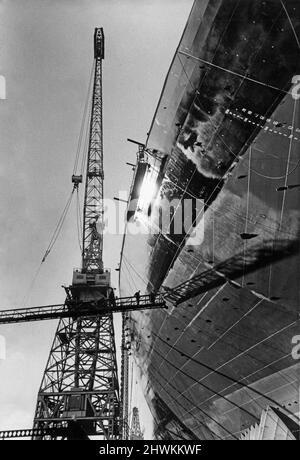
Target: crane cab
{"type": "Point", "coordinates": [91, 278]}
{"type": "Point", "coordinates": [90, 286]}
{"type": "Point", "coordinates": [77, 406]}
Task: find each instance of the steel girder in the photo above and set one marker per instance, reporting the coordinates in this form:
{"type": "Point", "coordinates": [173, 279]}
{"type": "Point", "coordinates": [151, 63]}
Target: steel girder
{"type": "Point", "coordinates": [80, 381]}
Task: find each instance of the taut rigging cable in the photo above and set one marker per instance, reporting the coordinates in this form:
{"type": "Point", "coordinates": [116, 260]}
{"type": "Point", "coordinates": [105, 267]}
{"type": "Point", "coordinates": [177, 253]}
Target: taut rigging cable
{"type": "Point", "coordinates": [81, 150]}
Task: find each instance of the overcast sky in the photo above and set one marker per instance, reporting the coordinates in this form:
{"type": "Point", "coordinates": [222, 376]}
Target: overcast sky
{"type": "Point", "coordinates": [46, 52]}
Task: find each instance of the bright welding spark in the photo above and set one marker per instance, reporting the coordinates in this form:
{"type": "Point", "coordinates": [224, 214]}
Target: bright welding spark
{"type": "Point", "coordinates": [147, 193]}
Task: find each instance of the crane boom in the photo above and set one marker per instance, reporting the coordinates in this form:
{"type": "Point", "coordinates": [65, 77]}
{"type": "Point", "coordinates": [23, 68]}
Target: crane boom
{"type": "Point", "coordinates": [92, 248]}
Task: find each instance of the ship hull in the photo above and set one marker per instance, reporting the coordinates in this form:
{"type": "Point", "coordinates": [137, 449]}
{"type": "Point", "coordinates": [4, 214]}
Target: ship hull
{"type": "Point", "coordinates": [228, 129]}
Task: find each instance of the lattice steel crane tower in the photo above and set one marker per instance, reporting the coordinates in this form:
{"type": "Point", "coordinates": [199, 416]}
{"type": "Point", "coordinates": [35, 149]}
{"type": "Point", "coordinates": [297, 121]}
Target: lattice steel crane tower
{"type": "Point", "coordinates": [135, 429]}
{"type": "Point", "coordinates": [80, 381]}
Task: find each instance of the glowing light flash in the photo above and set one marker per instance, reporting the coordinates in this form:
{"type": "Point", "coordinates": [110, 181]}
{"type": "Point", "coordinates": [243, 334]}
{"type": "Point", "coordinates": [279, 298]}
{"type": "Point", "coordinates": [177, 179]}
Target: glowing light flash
{"type": "Point", "coordinates": [147, 193]}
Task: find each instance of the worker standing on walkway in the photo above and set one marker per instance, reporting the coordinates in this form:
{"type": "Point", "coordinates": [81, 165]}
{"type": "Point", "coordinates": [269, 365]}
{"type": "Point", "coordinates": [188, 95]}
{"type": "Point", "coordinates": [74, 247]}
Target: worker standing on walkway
{"type": "Point", "coordinates": [137, 295]}
{"type": "Point", "coordinates": [152, 297]}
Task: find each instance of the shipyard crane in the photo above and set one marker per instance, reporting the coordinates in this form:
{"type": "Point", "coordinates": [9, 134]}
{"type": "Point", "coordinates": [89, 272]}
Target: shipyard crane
{"type": "Point", "coordinates": [136, 432]}
{"type": "Point", "coordinates": [80, 381]}
{"type": "Point", "coordinates": [79, 396]}
{"type": "Point", "coordinates": [81, 378]}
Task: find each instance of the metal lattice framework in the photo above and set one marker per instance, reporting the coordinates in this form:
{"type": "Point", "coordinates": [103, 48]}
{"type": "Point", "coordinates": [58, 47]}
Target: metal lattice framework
{"type": "Point", "coordinates": [136, 432]}
{"type": "Point", "coordinates": [80, 381]}
{"type": "Point", "coordinates": [93, 197]}
{"type": "Point", "coordinates": [124, 378]}
{"type": "Point", "coordinates": [73, 309]}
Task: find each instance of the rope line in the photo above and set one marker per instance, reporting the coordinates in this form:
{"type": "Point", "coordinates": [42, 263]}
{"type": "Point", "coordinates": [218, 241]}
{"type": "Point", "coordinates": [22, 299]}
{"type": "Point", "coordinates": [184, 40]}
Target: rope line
{"type": "Point", "coordinates": [244, 77]}
{"type": "Point", "coordinates": [83, 122]}
{"type": "Point", "coordinates": [232, 379]}
{"type": "Point", "coordinates": [78, 221]}
{"type": "Point", "coordinates": [190, 410]}
{"type": "Point", "coordinates": [58, 227]}
{"type": "Point", "coordinates": [290, 21]}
